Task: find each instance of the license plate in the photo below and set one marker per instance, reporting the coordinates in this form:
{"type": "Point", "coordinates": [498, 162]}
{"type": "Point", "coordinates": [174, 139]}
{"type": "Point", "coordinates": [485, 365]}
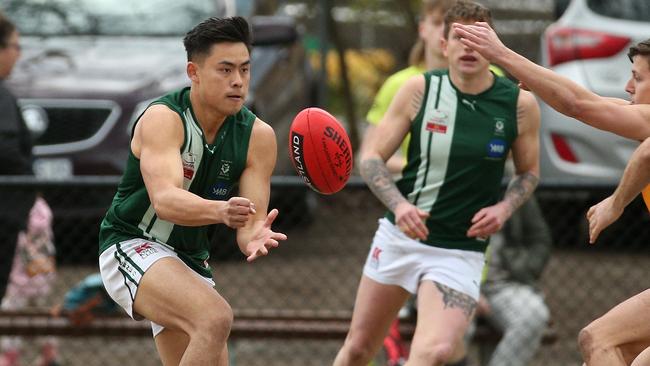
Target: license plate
{"type": "Point", "coordinates": [54, 169]}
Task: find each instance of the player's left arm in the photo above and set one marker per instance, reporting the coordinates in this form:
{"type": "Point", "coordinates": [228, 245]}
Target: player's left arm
{"type": "Point", "coordinates": [525, 154]}
{"type": "Point", "coordinates": [256, 237]}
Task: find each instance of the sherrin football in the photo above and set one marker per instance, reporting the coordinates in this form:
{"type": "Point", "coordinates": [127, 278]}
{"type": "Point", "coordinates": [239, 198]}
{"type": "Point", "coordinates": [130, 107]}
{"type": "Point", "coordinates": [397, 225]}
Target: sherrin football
{"type": "Point", "coordinates": [320, 150]}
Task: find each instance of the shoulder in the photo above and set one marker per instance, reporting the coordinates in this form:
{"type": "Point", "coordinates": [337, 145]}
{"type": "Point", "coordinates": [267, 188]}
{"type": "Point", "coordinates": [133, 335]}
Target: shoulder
{"type": "Point", "coordinates": [262, 133]}
{"type": "Point", "coordinates": [160, 123]}
{"type": "Point", "coordinates": [527, 100]}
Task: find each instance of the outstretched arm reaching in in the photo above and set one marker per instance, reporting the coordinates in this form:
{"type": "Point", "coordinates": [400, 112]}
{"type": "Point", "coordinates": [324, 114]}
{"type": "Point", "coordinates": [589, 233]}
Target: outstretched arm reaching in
{"type": "Point", "coordinates": [562, 94]}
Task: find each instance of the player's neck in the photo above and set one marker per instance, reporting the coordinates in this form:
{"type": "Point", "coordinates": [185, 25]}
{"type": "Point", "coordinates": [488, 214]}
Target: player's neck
{"type": "Point", "coordinates": [472, 83]}
{"type": "Point", "coordinates": [434, 61]}
{"type": "Point", "coordinates": [209, 119]}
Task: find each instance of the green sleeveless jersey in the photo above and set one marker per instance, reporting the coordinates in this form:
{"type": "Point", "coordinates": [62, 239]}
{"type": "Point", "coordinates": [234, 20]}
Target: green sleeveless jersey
{"type": "Point", "coordinates": [459, 145]}
{"type": "Point", "coordinates": [210, 171]}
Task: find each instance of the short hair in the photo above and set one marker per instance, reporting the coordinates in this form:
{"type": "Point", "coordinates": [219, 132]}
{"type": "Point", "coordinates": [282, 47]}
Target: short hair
{"type": "Point", "coordinates": [199, 41]}
{"type": "Point", "coordinates": [466, 11]}
{"type": "Point", "coordinates": [416, 55]}
{"type": "Point", "coordinates": [641, 48]}
{"type": "Point", "coordinates": [7, 28]}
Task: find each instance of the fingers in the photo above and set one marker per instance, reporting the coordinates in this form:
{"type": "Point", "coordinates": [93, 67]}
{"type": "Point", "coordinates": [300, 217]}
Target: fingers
{"type": "Point", "coordinates": [414, 228]}
{"type": "Point", "coordinates": [484, 227]}
{"type": "Point", "coordinates": [271, 217]}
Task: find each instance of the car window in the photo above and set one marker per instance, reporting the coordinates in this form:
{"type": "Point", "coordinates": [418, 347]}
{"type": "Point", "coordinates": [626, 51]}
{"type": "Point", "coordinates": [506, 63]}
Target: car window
{"type": "Point", "coordinates": [109, 17]}
{"type": "Point", "coordinates": [638, 10]}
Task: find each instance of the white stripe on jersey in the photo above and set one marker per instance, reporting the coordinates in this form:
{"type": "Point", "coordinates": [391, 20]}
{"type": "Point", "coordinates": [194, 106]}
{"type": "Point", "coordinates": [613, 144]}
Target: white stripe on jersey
{"type": "Point", "coordinates": [434, 159]}
{"type": "Point", "coordinates": [161, 229]}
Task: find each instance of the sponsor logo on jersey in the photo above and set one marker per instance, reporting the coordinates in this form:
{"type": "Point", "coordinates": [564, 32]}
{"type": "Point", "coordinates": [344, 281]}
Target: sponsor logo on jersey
{"type": "Point", "coordinates": [496, 148]}
{"type": "Point", "coordinates": [374, 257]}
{"type": "Point", "coordinates": [438, 122]}
{"type": "Point", "coordinates": [471, 104]}
{"type": "Point", "coordinates": [219, 191]}
{"type": "Point", "coordinates": [145, 249]}
{"type": "Point", "coordinates": [188, 165]}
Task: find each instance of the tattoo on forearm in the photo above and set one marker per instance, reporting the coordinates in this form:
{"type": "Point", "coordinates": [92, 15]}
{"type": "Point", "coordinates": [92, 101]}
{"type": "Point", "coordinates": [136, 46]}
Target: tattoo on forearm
{"type": "Point", "coordinates": [416, 102]}
{"type": "Point", "coordinates": [456, 299]}
{"type": "Point", "coordinates": [376, 175]}
{"type": "Point", "coordinates": [520, 189]}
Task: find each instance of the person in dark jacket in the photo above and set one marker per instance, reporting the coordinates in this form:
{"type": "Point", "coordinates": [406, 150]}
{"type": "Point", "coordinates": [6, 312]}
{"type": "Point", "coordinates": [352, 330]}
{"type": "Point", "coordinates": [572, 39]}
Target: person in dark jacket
{"type": "Point", "coordinates": [15, 154]}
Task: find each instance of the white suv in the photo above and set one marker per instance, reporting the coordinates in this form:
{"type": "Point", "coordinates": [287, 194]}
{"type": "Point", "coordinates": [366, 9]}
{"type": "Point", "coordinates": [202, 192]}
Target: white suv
{"type": "Point", "coordinates": [589, 45]}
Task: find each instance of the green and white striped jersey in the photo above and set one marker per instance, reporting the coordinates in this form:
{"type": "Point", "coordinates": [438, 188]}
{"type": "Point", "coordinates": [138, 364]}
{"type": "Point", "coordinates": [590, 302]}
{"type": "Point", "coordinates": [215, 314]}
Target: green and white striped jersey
{"type": "Point", "coordinates": [210, 171]}
{"type": "Point", "coordinates": [459, 145]}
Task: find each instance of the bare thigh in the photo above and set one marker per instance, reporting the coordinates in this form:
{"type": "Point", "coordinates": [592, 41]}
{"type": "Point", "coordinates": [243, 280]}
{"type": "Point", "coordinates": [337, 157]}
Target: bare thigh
{"type": "Point", "coordinates": [175, 297]}
{"type": "Point", "coordinates": [443, 315]}
{"type": "Point", "coordinates": [376, 306]}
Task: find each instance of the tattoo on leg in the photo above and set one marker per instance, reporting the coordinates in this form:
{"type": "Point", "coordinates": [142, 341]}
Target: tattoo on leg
{"type": "Point", "coordinates": [456, 299]}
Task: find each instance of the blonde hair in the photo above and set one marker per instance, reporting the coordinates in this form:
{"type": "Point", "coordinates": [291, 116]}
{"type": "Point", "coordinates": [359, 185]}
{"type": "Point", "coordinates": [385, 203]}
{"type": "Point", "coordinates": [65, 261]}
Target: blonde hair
{"type": "Point", "coordinates": [416, 55]}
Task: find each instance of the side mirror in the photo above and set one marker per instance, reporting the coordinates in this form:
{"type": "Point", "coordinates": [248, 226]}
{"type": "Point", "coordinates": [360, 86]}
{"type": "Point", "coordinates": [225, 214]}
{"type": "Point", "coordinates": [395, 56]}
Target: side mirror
{"type": "Point", "coordinates": [272, 30]}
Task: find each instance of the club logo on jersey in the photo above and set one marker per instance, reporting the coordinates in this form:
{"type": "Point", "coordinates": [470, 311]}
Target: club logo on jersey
{"type": "Point", "coordinates": [499, 126]}
{"type": "Point", "coordinates": [437, 123]}
{"type": "Point", "coordinates": [224, 170]}
{"type": "Point", "coordinates": [496, 149]}
{"type": "Point", "coordinates": [188, 165]}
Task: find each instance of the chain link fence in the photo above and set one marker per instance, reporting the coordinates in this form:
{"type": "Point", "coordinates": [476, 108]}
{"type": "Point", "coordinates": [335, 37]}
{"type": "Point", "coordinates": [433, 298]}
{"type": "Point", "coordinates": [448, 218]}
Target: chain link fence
{"type": "Point", "coordinates": [316, 271]}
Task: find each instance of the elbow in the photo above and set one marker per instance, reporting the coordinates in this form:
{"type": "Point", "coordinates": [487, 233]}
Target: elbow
{"type": "Point", "coordinates": [644, 150]}
{"type": "Point", "coordinates": [574, 108]}
{"type": "Point", "coordinates": [162, 212]}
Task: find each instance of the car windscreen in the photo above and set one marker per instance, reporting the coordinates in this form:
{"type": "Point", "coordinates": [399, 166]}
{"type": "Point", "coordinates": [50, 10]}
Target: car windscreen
{"type": "Point", "coordinates": [638, 10]}
{"type": "Point", "coordinates": [109, 17]}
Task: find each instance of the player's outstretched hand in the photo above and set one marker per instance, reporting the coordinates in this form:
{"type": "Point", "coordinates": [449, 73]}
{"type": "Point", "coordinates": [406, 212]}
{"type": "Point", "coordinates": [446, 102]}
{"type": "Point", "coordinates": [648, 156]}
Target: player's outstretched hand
{"type": "Point", "coordinates": [264, 238]}
{"type": "Point", "coordinates": [410, 220]}
{"type": "Point", "coordinates": [236, 212]}
{"type": "Point", "coordinates": [601, 216]}
{"type": "Point", "coordinates": [488, 221]}
{"type": "Point", "coordinates": [481, 38]}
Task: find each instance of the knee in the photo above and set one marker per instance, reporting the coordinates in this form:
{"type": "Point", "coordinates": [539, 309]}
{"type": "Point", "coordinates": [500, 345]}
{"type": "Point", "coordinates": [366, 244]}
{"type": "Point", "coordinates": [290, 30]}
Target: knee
{"type": "Point", "coordinates": [438, 354]}
{"type": "Point", "coordinates": [588, 342]}
{"type": "Point", "coordinates": [214, 323]}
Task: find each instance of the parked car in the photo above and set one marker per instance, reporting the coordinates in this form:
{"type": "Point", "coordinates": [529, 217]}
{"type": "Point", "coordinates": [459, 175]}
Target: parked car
{"type": "Point", "coordinates": [89, 68]}
{"type": "Point", "coordinates": [588, 44]}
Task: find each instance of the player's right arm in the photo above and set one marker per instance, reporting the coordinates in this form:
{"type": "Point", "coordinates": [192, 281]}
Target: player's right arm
{"type": "Point", "coordinates": [157, 141]}
{"type": "Point", "coordinates": [635, 177]}
{"type": "Point", "coordinates": [562, 94]}
{"type": "Point", "coordinates": [382, 145]}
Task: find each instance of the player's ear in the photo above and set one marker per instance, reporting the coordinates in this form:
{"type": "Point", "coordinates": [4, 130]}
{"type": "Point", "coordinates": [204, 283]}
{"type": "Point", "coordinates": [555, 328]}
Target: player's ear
{"type": "Point", "coordinates": [443, 46]}
{"type": "Point", "coordinates": [192, 71]}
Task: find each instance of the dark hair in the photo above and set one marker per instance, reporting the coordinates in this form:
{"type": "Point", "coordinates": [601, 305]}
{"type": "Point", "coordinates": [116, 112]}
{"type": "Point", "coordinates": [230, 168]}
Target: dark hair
{"type": "Point", "coordinates": [199, 41]}
{"type": "Point", "coordinates": [641, 48]}
{"type": "Point", "coordinates": [7, 28]}
{"type": "Point", "coordinates": [416, 55]}
{"type": "Point", "coordinates": [466, 11]}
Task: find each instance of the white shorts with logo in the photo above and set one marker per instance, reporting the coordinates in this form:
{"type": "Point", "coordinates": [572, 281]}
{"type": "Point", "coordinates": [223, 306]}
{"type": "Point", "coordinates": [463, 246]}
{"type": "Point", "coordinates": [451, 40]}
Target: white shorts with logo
{"type": "Point", "coordinates": [123, 265]}
{"type": "Point", "coordinates": [396, 259]}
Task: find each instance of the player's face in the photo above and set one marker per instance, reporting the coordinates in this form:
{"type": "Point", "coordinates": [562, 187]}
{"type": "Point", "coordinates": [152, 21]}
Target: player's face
{"type": "Point", "coordinates": [430, 30]}
{"type": "Point", "coordinates": [223, 77]}
{"type": "Point", "coordinates": [9, 55]}
{"type": "Point", "coordinates": [639, 84]}
{"type": "Point", "coordinates": [462, 59]}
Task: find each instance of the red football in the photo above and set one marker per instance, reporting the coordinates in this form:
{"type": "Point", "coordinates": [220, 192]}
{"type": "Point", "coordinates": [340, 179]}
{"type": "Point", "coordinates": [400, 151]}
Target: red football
{"type": "Point", "coordinates": [320, 150]}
